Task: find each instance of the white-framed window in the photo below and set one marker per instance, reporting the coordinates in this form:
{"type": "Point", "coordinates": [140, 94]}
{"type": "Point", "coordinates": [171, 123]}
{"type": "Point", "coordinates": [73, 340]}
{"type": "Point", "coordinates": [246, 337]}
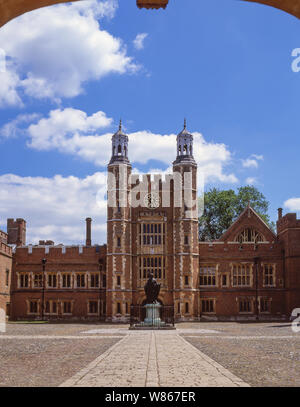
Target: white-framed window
{"type": "Point", "coordinates": [118, 241]}
{"type": "Point", "coordinates": [265, 305]}
{"type": "Point", "coordinates": [127, 307]}
{"type": "Point", "coordinates": [269, 275]}
{"type": "Point", "coordinates": [23, 280]}
{"type": "Point", "coordinates": [80, 280]}
{"type": "Point", "coordinates": [94, 280]}
{"type": "Point", "coordinates": [51, 307]}
{"type": "Point", "coordinates": [66, 280]}
{"type": "Point", "coordinates": [7, 277]}
{"type": "Point", "coordinates": [208, 306]}
{"type": "Point", "coordinates": [152, 234]}
{"type": "Point", "coordinates": [207, 276]}
{"type": "Point", "coordinates": [241, 275]}
{"type": "Point", "coordinates": [32, 307]}
{"type": "Point", "coordinates": [119, 308]}
{"type": "Point", "coordinates": [225, 280]}
{"type": "Point", "coordinates": [37, 280]}
{"type": "Point", "coordinates": [52, 280]}
{"type": "Point", "coordinates": [186, 307]}
{"type": "Point", "coordinates": [245, 305]}
{"type": "Point", "coordinates": [152, 264]}
{"type": "Point", "coordinates": [67, 307]}
{"type": "Point", "coordinates": [93, 307]}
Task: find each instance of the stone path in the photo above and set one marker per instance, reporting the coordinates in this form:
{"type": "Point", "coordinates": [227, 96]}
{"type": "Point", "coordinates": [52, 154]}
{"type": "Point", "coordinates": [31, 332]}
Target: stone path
{"type": "Point", "coordinates": [151, 359]}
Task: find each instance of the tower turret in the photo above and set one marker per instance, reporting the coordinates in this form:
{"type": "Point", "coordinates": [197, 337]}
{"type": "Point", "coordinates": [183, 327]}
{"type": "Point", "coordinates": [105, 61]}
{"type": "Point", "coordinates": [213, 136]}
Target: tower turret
{"type": "Point", "coordinates": [119, 247]}
{"type": "Point", "coordinates": [119, 147]}
{"type": "Point", "coordinates": [185, 234]}
{"type": "Point", "coordinates": [184, 146]}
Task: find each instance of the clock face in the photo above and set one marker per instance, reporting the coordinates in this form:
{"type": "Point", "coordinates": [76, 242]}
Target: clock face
{"type": "Point", "coordinates": [152, 201]}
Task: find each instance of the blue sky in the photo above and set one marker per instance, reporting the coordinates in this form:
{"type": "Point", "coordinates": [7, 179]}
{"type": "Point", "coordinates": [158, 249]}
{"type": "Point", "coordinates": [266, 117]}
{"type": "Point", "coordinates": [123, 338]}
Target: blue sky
{"type": "Point", "coordinates": [73, 70]}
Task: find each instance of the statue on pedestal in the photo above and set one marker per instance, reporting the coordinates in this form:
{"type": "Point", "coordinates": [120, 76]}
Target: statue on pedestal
{"type": "Point", "coordinates": [152, 289]}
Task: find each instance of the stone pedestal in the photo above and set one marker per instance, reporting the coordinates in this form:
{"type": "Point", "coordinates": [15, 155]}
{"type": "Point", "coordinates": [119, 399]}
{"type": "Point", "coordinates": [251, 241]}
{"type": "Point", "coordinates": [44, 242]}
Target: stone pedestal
{"type": "Point", "coordinates": [152, 314]}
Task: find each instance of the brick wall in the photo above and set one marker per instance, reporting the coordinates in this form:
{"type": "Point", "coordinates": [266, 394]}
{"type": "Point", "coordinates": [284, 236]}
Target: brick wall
{"type": "Point", "coordinates": [60, 261]}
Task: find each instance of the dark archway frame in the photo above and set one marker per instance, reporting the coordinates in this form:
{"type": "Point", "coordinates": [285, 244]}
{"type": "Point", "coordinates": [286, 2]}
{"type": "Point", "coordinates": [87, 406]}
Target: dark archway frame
{"type": "Point", "coordinates": [10, 9]}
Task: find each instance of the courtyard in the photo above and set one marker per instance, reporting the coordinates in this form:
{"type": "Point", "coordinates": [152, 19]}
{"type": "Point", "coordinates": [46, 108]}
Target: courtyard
{"type": "Point", "coordinates": [195, 354]}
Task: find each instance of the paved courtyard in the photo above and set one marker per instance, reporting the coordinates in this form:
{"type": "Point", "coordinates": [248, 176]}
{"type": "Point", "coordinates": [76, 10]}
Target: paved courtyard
{"type": "Point", "coordinates": [195, 354]}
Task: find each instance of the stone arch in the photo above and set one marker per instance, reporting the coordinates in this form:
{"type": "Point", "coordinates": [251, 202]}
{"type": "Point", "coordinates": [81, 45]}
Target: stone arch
{"type": "Point", "coordinates": [10, 9]}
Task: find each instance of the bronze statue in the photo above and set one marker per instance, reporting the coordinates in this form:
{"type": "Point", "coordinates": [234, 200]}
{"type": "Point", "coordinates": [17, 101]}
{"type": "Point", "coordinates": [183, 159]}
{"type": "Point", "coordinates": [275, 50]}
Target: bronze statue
{"type": "Point", "coordinates": [151, 289]}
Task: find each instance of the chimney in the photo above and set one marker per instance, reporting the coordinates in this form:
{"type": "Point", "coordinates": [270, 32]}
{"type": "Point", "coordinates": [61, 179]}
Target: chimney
{"type": "Point", "coordinates": [279, 213]}
{"type": "Point", "coordinates": [88, 241]}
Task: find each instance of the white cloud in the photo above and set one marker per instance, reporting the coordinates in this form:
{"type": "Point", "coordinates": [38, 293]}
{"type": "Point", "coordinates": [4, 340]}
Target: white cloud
{"type": "Point", "coordinates": [9, 81]}
{"type": "Point", "coordinates": [58, 50]}
{"type": "Point", "coordinates": [55, 208]}
{"type": "Point", "coordinates": [12, 129]}
{"type": "Point", "coordinates": [73, 132]}
{"type": "Point", "coordinates": [252, 161]}
{"type": "Point", "coordinates": [138, 42]}
{"type": "Point", "coordinates": [63, 128]}
{"type": "Point", "coordinates": [292, 204]}
{"type": "Point", "coordinates": [251, 180]}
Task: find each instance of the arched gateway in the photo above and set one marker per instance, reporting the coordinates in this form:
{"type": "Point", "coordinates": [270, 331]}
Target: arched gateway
{"type": "Point", "coordinates": [10, 9]}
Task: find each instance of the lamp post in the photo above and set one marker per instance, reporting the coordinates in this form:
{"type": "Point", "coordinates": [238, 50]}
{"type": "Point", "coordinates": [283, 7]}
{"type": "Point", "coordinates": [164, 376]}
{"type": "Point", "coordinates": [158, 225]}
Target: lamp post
{"type": "Point", "coordinates": [100, 288]}
{"type": "Point", "coordinates": [44, 261]}
{"type": "Point", "coordinates": [256, 287]}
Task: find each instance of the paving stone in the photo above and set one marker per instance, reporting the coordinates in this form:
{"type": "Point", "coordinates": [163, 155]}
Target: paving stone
{"type": "Point", "coordinates": [169, 360]}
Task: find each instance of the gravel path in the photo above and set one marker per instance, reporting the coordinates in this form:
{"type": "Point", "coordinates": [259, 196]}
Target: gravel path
{"type": "Point", "coordinates": [46, 362]}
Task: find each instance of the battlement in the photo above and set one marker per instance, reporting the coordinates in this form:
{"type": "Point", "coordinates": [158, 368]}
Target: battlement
{"type": "Point", "coordinates": [288, 221]}
{"type": "Point", "coordinates": [57, 250]}
{"type": "Point", "coordinates": [5, 249]}
{"type": "Point", "coordinates": [227, 249]}
{"type": "Point", "coordinates": [3, 237]}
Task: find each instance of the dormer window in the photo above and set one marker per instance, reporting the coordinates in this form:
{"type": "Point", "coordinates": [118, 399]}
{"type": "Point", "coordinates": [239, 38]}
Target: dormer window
{"type": "Point", "coordinates": [250, 235]}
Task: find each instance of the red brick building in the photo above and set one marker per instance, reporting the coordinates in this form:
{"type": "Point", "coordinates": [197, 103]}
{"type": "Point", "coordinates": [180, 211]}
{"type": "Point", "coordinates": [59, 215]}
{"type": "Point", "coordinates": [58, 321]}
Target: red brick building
{"type": "Point", "coordinates": [152, 226]}
{"type": "Point", "coordinates": [5, 273]}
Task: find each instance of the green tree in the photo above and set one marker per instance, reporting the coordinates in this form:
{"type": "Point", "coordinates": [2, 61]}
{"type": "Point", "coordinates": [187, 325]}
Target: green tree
{"type": "Point", "coordinates": [223, 207]}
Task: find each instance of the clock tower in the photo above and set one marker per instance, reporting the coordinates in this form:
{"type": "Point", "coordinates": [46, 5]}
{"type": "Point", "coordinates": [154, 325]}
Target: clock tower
{"type": "Point", "coordinates": [152, 227]}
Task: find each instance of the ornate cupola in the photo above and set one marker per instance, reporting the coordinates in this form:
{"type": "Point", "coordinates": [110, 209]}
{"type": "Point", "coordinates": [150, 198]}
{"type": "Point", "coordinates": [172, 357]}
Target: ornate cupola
{"type": "Point", "coordinates": [184, 147]}
{"type": "Point", "coordinates": [119, 147]}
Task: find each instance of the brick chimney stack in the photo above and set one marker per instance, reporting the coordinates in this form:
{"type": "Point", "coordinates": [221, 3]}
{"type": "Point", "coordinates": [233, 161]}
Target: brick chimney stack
{"type": "Point", "coordinates": [279, 213]}
{"type": "Point", "coordinates": [88, 232]}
